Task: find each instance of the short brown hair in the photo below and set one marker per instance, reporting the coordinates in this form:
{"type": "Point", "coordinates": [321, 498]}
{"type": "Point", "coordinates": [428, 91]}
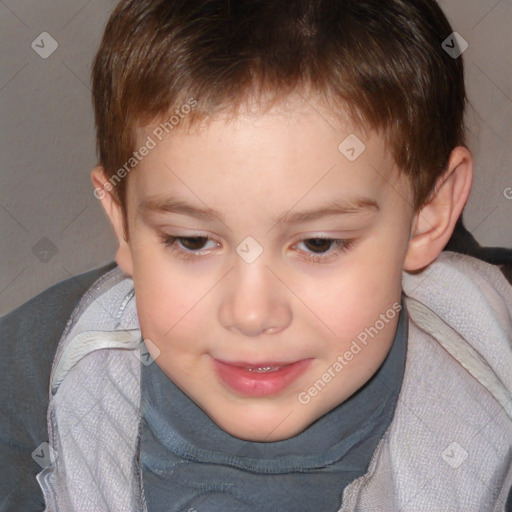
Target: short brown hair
{"type": "Point", "coordinates": [382, 59]}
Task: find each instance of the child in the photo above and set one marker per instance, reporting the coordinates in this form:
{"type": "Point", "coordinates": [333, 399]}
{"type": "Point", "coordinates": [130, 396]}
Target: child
{"type": "Point", "coordinates": [282, 331]}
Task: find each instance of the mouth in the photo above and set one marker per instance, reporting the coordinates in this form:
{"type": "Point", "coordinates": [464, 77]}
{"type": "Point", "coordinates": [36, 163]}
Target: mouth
{"type": "Point", "coordinates": [261, 378]}
{"type": "Point", "coordinates": [264, 369]}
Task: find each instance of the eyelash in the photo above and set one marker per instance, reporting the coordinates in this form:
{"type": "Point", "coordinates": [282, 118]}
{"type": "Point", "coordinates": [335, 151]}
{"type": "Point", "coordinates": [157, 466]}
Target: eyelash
{"type": "Point", "coordinates": [343, 246]}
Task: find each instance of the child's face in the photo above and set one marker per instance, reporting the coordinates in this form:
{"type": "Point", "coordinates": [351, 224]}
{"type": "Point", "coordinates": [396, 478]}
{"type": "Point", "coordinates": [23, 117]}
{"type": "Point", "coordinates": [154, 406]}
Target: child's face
{"type": "Point", "coordinates": [222, 304]}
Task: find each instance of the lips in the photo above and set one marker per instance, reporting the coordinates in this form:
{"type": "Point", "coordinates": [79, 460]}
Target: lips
{"type": "Point", "coordinates": [261, 378]}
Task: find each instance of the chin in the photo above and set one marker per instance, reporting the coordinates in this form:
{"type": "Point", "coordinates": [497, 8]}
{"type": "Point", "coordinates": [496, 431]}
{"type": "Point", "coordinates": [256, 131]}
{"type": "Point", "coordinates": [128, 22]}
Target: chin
{"type": "Point", "coordinates": [260, 430]}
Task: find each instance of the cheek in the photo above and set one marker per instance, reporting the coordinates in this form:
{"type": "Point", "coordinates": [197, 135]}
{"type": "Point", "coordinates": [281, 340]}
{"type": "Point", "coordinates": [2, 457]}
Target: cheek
{"type": "Point", "coordinates": [166, 303]}
{"type": "Point", "coordinates": [365, 288]}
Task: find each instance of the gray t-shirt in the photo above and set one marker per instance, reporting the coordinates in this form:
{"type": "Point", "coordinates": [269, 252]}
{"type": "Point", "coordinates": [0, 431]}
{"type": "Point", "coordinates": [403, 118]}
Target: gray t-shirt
{"type": "Point", "coordinates": [189, 463]}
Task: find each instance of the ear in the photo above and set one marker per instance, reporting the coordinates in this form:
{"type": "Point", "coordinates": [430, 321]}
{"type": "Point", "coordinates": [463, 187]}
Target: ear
{"type": "Point", "coordinates": [102, 191]}
{"type": "Point", "coordinates": [434, 223]}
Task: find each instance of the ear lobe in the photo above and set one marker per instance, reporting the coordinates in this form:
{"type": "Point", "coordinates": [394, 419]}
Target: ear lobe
{"type": "Point", "coordinates": [115, 214]}
{"type": "Point", "coordinates": [434, 223]}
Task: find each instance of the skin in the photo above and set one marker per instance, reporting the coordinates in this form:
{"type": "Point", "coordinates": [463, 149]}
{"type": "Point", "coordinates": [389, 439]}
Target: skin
{"type": "Point", "coordinates": [283, 306]}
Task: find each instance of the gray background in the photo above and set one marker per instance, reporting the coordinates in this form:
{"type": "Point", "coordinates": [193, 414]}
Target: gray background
{"type": "Point", "coordinates": [51, 225]}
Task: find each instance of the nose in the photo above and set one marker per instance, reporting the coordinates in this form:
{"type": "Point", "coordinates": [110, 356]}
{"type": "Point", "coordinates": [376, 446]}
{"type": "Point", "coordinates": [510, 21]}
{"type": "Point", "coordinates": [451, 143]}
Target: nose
{"type": "Point", "coordinates": [255, 302]}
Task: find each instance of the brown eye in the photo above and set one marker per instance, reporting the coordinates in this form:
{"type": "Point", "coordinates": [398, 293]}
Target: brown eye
{"type": "Point", "coordinates": [323, 249]}
{"type": "Point", "coordinates": [318, 245]}
{"type": "Point", "coordinates": [192, 243]}
{"type": "Point", "coordinates": [188, 246]}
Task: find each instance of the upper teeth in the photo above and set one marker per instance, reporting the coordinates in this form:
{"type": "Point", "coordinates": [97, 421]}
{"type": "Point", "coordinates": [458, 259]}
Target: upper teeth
{"type": "Point", "coordinates": [264, 369]}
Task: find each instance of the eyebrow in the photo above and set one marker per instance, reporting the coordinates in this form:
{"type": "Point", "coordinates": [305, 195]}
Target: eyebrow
{"type": "Point", "coordinates": [334, 207]}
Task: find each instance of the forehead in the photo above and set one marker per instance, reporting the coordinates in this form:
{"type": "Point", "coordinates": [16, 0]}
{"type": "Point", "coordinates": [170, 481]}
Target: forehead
{"type": "Point", "coordinates": [298, 150]}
